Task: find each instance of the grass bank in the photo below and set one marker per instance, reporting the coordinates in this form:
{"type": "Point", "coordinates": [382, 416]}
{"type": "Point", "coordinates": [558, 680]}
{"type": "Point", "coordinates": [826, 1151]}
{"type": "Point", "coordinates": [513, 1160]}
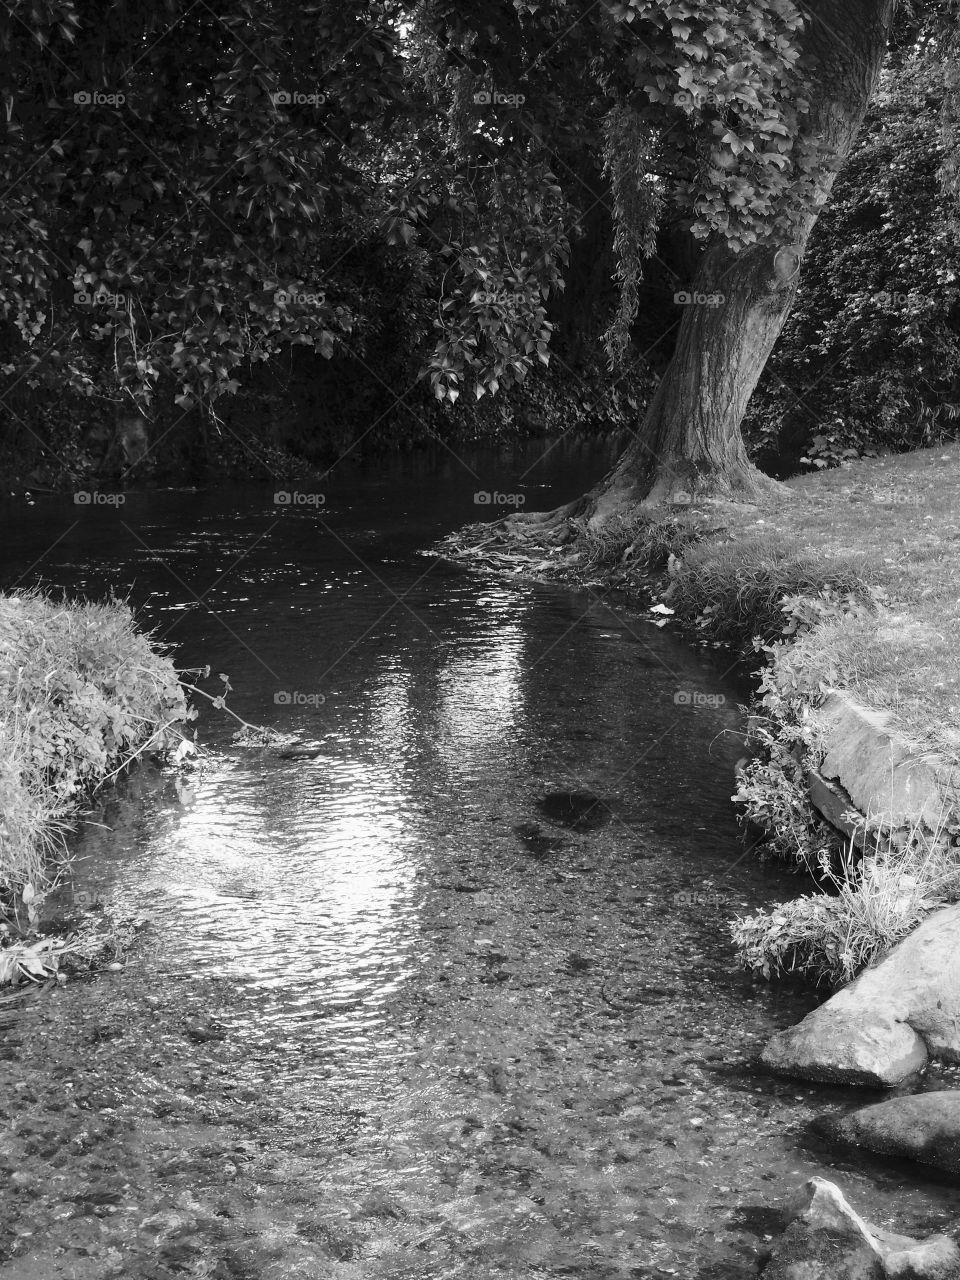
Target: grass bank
{"type": "Point", "coordinates": [83, 692]}
{"type": "Point", "coordinates": [849, 585]}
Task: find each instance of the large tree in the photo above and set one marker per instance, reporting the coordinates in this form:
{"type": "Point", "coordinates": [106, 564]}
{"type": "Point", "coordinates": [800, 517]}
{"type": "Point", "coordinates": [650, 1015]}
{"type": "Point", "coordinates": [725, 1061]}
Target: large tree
{"type": "Point", "coordinates": [741, 117]}
{"type": "Point", "coordinates": [689, 442]}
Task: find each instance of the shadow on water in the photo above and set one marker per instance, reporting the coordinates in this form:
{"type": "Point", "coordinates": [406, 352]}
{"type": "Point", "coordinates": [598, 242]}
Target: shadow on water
{"type": "Point", "coordinates": [452, 994]}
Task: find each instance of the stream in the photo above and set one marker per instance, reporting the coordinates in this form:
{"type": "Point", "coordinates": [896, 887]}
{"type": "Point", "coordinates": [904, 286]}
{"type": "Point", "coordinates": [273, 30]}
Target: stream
{"type": "Point", "coordinates": [420, 1006]}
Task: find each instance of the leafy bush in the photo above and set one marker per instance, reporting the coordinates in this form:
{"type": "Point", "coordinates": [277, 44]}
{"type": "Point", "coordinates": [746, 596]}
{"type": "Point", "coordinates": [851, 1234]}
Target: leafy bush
{"type": "Point", "coordinates": [82, 693]}
{"type": "Point", "coordinates": [772, 788]}
{"type": "Point", "coordinates": [869, 360]}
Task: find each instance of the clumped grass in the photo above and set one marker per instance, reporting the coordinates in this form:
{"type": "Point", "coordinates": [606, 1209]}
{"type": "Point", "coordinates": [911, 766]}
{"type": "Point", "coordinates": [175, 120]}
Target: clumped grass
{"type": "Point", "coordinates": [633, 547]}
{"type": "Point", "coordinates": [82, 694]}
{"type": "Point", "coordinates": [91, 942]}
{"type": "Point", "coordinates": [733, 592]}
{"type": "Point", "coordinates": [830, 937]}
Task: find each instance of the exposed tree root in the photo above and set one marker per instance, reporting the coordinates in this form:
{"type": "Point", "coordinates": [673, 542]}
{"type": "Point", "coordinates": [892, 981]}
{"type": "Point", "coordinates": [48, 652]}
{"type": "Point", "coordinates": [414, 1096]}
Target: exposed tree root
{"type": "Point", "coordinates": [611, 524]}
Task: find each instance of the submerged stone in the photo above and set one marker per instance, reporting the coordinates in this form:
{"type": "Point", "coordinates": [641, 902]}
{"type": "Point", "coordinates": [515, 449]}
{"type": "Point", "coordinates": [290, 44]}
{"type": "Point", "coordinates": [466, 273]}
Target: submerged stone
{"type": "Point", "coordinates": [580, 810]}
{"type": "Point", "coordinates": [535, 842]}
{"type": "Point", "coordinates": [923, 1127]}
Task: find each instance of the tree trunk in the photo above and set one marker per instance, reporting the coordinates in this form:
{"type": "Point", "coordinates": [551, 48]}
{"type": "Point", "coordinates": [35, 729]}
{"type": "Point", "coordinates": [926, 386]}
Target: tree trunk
{"type": "Point", "coordinates": [689, 444]}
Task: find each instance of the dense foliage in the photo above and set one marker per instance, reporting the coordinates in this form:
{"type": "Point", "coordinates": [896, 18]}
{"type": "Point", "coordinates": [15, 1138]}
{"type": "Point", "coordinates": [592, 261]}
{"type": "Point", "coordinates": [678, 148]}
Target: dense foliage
{"type": "Point", "coordinates": [173, 169]}
{"type": "Point", "coordinates": [870, 358]}
{"type": "Point", "coordinates": [191, 188]}
{"type": "Point", "coordinates": [201, 197]}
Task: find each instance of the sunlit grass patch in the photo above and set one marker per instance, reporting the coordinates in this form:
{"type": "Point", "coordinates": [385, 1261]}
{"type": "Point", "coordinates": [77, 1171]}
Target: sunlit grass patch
{"type": "Point", "coordinates": [898, 660]}
{"type": "Point", "coordinates": [886, 529]}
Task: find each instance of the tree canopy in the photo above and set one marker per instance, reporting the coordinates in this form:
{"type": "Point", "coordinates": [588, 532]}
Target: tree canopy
{"type": "Point", "coordinates": [189, 187]}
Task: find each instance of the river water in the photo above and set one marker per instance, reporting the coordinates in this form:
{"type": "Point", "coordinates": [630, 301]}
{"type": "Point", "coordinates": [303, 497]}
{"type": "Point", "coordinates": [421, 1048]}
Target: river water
{"type": "Point", "coordinates": [398, 1012]}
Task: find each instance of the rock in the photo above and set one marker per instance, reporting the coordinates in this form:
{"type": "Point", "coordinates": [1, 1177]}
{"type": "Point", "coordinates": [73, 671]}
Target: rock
{"type": "Point", "coordinates": [535, 842]}
{"type": "Point", "coordinates": [881, 1028]}
{"type": "Point", "coordinates": [828, 1240]}
{"type": "Point", "coordinates": [202, 1029]}
{"type": "Point", "coordinates": [847, 1046]}
{"type": "Point", "coordinates": [922, 1126]}
{"type": "Point", "coordinates": [886, 775]}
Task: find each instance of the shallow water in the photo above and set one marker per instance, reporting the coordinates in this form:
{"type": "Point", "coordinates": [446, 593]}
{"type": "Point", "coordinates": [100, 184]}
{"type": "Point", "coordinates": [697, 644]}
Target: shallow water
{"type": "Point", "coordinates": [395, 1013]}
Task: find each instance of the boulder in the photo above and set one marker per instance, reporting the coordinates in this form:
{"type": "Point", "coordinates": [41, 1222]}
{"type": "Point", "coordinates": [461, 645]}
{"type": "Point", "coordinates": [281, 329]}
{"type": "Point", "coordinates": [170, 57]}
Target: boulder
{"type": "Point", "coordinates": [921, 1126]}
{"type": "Point", "coordinates": [882, 1027]}
{"type": "Point", "coordinates": [888, 777]}
{"type": "Point", "coordinates": [828, 1240]}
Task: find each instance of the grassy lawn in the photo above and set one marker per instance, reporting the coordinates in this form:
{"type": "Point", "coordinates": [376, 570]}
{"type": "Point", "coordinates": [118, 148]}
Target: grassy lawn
{"type": "Point", "coordinates": [896, 521]}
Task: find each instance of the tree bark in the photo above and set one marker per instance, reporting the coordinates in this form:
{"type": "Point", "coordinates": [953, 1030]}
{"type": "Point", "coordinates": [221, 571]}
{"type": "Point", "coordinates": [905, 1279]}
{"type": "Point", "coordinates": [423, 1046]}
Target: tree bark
{"type": "Point", "coordinates": [689, 444]}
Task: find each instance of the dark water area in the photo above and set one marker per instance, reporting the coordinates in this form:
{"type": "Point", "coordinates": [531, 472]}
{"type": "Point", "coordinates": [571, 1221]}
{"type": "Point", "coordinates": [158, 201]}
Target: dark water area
{"type": "Point", "coordinates": [406, 1008]}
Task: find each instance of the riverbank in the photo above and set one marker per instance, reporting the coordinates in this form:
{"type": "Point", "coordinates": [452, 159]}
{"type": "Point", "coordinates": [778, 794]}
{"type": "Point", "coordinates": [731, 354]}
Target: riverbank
{"type": "Point", "coordinates": [83, 693]}
{"type": "Point", "coordinates": [845, 596]}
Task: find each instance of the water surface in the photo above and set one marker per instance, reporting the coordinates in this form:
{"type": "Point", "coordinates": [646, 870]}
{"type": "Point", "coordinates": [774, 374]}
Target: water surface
{"type": "Point", "coordinates": [393, 1016]}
